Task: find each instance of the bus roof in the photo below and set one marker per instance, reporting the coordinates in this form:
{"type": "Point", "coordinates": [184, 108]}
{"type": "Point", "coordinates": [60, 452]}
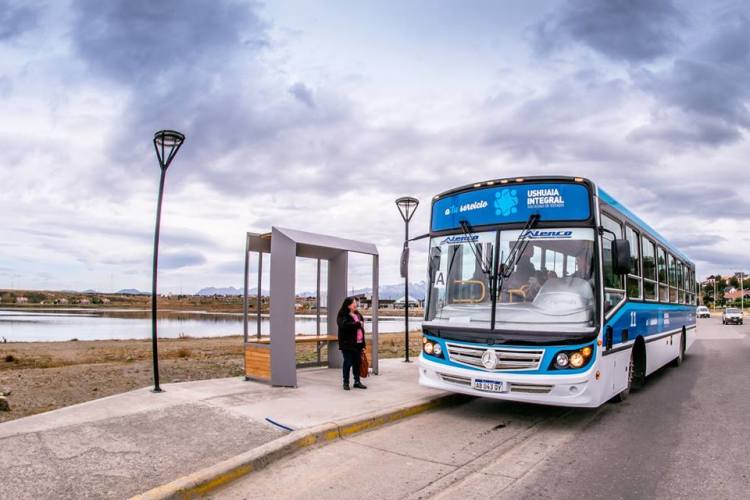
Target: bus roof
{"type": "Point", "coordinates": [609, 200]}
{"type": "Point", "coordinates": [511, 181]}
{"type": "Point", "coordinates": [603, 196]}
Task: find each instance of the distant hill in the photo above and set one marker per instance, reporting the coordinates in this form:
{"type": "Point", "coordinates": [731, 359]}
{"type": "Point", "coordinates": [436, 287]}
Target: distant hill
{"type": "Point", "coordinates": [395, 291]}
{"type": "Point", "coordinates": [131, 291]}
{"type": "Point", "coordinates": [90, 291]}
{"type": "Point", "coordinates": [416, 291]}
{"type": "Point", "coordinates": [209, 291]}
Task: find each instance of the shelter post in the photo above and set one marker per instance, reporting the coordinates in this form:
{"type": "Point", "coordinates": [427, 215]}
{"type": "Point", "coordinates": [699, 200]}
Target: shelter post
{"type": "Point", "coordinates": [282, 332]}
{"type": "Point", "coordinates": [337, 289]}
{"type": "Point", "coordinates": [375, 307]}
{"type": "Point", "coordinates": [259, 297]}
{"type": "Point", "coordinates": [245, 293]}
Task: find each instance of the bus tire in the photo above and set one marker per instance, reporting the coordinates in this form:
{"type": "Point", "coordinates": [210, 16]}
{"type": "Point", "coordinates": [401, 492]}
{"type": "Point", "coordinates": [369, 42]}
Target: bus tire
{"type": "Point", "coordinates": [639, 363]}
{"type": "Point", "coordinates": [625, 393]}
{"type": "Point", "coordinates": [681, 356]}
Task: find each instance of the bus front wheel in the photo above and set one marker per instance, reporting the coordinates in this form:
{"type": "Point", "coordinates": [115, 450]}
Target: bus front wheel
{"type": "Point", "coordinates": [625, 393]}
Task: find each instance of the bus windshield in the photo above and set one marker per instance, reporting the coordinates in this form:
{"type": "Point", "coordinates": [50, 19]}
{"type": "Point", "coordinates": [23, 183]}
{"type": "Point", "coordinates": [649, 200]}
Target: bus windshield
{"type": "Point", "coordinates": [550, 287]}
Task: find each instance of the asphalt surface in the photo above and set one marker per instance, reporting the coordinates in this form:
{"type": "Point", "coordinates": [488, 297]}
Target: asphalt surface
{"type": "Point", "coordinates": [686, 434]}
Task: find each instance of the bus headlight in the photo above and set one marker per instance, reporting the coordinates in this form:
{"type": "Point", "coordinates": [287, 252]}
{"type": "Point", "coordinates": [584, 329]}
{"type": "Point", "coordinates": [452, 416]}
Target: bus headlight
{"type": "Point", "coordinates": [432, 347]}
{"type": "Point", "coordinates": [576, 360]}
{"type": "Point", "coordinates": [572, 359]}
{"type": "Point", "coordinates": [561, 360]}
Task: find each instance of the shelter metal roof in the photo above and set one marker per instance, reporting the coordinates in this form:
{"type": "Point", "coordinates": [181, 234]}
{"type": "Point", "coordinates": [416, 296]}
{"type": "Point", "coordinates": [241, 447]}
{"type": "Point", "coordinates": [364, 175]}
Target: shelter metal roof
{"type": "Point", "coordinates": [310, 245]}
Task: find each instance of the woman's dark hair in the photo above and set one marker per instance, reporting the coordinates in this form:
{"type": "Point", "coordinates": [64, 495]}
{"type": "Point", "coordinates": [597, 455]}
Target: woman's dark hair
{"type": "Point", "coordinates": [345, 307]}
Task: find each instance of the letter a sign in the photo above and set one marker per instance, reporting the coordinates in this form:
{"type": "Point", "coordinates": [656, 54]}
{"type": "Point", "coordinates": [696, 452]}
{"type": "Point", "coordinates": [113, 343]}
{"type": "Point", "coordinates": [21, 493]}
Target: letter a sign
{"type": "Point", "coordinates": [439, 280]}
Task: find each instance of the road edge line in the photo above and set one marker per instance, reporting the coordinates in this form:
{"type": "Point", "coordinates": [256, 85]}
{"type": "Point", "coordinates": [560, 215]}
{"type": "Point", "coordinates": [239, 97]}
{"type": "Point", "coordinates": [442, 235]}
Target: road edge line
{"type": "Point", "coordinates": [212, 477]}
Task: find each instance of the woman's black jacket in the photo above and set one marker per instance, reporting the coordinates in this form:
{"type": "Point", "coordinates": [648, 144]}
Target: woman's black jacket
{"type": "Point", "coordinates": [348, 331]}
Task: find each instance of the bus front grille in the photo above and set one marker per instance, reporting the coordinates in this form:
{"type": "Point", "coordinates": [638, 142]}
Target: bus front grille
{"type": "Point", "coordinates": [455, 379]}
{"type": "Point", "coordinates": [512, 386]}
{"type": "Point", "coordinates": [507, 359]}
{"type": "Point", "coordinates": [530, 388]}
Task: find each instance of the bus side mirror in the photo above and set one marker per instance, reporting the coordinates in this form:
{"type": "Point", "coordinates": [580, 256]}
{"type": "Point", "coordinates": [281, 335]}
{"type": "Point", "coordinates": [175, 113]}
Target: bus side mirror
{"type": "Point", "coordinates": [621, 256]}
{"type": "Point", "coordinates": [434, 263]}
{"type": "Point", "coordinates": [405, 261]}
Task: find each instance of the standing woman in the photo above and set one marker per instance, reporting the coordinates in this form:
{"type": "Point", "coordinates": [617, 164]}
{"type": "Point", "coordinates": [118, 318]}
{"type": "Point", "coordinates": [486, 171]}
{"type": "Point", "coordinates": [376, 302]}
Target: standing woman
{"type": "Point", "coordinates": [351, 340]}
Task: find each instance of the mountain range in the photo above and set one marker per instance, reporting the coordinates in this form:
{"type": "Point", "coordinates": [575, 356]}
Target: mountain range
{"type": "Point", "coordinates": [416, 290]}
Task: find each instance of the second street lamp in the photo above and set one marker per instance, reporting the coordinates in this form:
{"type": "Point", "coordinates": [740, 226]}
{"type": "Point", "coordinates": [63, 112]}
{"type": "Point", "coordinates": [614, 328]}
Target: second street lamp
{"type": "Point", "coordinates": [406, 206]}
{"type": "Point", "coordinates": [166, 143]}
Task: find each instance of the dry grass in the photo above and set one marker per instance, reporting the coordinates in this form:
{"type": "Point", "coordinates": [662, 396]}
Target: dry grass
{"type": "Point", "coordinates": [43, 376]}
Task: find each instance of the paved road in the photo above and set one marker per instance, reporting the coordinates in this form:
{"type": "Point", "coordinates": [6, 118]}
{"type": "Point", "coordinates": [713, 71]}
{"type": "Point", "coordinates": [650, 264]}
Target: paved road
{"type": "Point", "coordinates": [685, 435]}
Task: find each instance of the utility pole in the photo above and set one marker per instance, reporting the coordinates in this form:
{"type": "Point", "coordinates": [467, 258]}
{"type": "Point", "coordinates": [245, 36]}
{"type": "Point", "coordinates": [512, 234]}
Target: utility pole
{"type": "Point", "coordinates": [715, 292]}
{"type": "Point", "coordinates": [742, 292]}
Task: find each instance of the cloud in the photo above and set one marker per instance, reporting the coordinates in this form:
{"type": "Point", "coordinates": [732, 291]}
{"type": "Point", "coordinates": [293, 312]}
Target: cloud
{"type": "Point", "coordinates": [191, 66]}
{"type": "Point", "coordinates": [692, 241]}
{"type": "Point", "coordinates": [303, 94]}
{"type": "Point", "coordinates": [633, 31]}
{"type": "Point", "coordinates": [577, 117]}
{"type": "Point", "coordinates": [720, 258]}
{"type": "Point", "coordinates": [15, 19]}
{"type": "Point", "coordinates": [179, 259]}
{"type": "Point", "coordinates": [199, 69]}
{"type": "Point", "coordinates": [701, 98]}
{"type": "Point", "coordinates": [280, 133]}
{"type": "Point", "coordinates": [134, 41]}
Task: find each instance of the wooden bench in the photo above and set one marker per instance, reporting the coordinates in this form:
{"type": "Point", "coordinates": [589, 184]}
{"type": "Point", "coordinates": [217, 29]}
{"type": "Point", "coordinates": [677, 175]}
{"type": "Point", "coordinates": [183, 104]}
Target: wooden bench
{"type": "Point", "coordinates": [258, 354]}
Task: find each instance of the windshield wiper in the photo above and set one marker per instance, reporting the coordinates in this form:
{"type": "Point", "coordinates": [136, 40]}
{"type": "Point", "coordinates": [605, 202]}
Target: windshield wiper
{"type": "Point", "coordinates": [467, 229]}
{"type": "Point", "coordinates": [507, 268]}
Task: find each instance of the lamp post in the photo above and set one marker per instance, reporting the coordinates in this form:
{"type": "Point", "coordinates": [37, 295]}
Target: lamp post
{"type": "Point", "coordinates": [166, 143]}
{"type": "Point", "coordinates": [406, 206]}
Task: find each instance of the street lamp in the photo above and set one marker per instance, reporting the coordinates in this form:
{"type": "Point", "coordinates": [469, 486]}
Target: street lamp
{"type": "Point", "coordinates": [166, 143]}
{"type": "Point", "coordinates": [406, 206]}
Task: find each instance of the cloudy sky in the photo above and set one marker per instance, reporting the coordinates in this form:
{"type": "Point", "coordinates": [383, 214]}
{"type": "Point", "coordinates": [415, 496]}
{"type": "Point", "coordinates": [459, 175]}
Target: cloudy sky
{"type": "Point", "coordinates": [317, 115]}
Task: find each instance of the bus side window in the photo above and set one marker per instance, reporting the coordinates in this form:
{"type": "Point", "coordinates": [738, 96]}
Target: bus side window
{"type": "Point", "coordinates": [633, 280]}
{"type": "Point", "coordinates": [661, 264]}
{"type": "Point", "coordinates": [672, 268]}
{"type": "Point", "coordinates": [650, 287]}
{"type": "Point", "coordinates": [614, 291]}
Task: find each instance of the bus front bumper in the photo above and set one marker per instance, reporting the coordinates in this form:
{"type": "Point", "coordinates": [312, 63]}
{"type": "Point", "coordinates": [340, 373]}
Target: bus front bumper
{"type": "Point", "coordinates": [578, 390]}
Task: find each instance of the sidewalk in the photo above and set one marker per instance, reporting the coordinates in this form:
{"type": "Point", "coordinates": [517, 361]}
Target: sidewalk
{"type": "Point", "coordinates": [126, 444]}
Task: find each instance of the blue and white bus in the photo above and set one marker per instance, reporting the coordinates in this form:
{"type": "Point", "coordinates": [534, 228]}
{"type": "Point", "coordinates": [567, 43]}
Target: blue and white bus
{"type": "Point", "coordinates": [547, 290]}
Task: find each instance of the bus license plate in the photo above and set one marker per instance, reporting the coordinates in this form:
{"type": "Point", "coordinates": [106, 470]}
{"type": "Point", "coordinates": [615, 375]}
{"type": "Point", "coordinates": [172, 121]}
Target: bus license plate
{"type": "Point", "coordinates": [489, 385]}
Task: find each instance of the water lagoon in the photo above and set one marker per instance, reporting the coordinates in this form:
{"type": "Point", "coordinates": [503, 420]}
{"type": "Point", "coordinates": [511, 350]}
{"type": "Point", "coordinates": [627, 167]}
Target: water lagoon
{"type": "Point", "coordinates": [38, 325]}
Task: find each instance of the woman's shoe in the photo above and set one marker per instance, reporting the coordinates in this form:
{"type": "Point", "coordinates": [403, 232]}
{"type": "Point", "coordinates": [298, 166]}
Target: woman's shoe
{"type": "Point", "coordinates": [359, 385]}
{"type": "Point", "coordinates": [346, 386]}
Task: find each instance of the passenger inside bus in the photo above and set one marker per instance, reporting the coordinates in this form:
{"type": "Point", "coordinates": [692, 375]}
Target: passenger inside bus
{"type": "Point", "coordinates": [525, 269]}
{"type": "Point", "coordinates": [526, 281]}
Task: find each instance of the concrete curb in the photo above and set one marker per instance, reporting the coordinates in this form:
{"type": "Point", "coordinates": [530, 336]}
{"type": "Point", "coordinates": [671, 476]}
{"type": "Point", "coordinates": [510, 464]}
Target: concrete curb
{"type": "Point", "coordinates": [205, 480]}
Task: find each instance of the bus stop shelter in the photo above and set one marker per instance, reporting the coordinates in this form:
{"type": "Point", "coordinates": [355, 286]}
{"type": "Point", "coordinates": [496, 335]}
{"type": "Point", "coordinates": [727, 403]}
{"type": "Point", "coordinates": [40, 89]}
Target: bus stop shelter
{"type": "Point", "coordinates": [273, 359]}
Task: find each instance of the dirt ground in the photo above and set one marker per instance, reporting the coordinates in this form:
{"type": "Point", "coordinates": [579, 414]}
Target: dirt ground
{"type": "Point", "coordinates": [43, 376]}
